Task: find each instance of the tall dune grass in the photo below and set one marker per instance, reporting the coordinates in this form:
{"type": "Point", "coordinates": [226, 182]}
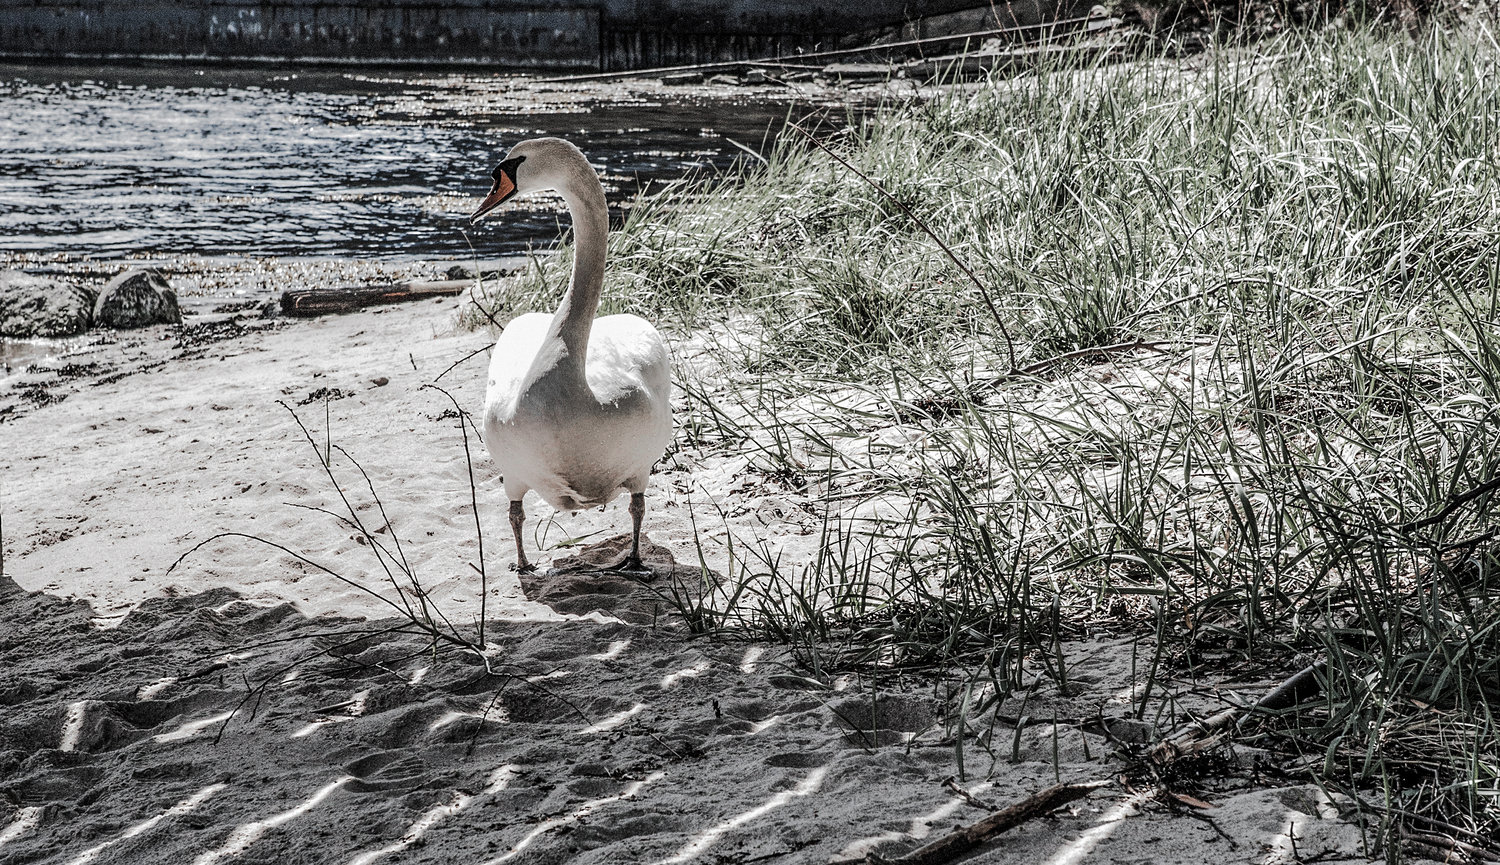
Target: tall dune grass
{"type": "Point", "coordinates": [1255, 409]}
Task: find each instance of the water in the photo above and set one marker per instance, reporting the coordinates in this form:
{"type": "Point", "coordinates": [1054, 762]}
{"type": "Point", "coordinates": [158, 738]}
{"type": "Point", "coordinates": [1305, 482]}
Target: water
{"type": "Point", "coordinates": [145, 162]}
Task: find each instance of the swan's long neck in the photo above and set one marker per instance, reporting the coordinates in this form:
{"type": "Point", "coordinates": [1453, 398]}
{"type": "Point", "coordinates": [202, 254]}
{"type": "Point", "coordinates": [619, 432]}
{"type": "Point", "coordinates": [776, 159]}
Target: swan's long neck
{"type": "Point", "coordinates": [575, 315]}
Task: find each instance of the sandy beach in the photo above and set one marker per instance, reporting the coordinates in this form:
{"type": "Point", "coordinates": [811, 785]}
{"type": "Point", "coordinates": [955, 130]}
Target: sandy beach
{"type": "Point", "coordinates": [245, 707]}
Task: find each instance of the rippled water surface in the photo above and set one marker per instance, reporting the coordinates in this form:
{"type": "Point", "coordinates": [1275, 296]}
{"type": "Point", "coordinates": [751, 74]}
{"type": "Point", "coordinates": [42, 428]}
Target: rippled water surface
{"type": "Point", "coordinates": [141, 162]}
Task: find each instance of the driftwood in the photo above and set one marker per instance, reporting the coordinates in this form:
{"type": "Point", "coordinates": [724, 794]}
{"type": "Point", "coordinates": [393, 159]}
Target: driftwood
{"type": "Point", "coordinates": [321, 301]}
{"type": "Point", "coordinates": [961, 841]}
{"type": "Point", "coordinates": [1204, 735]}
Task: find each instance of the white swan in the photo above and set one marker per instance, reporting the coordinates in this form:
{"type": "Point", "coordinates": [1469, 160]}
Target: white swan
{"type": "Point", "coordinates": [577, 408]}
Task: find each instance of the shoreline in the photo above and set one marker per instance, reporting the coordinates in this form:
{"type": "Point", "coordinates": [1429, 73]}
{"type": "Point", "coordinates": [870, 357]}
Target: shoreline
{"type": "Point", "coordinates": [212, 291]}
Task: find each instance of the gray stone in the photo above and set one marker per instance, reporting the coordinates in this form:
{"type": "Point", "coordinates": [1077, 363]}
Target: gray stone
{"type": "Point", "coordinates": [137, 298]}
{"type": "Point", "coordinates": [482, 269]}
{"type": "Point", "coordinates": [33, 306]}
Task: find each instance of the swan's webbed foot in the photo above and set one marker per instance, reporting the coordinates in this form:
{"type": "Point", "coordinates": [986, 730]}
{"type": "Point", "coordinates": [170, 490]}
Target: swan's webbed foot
{"type": "Point", "coordinates": [630, 566]}
{"type": "Point", "coordinates": [524, 567]}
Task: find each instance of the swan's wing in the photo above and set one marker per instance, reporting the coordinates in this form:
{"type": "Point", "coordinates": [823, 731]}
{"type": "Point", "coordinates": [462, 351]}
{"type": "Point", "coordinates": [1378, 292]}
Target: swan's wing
{"type": "Point", "coordinates": [629, 369]}
{"type": "Point", "coordinates": [627, 356]}
{"type": "Point", "coordinates": [512, 357]}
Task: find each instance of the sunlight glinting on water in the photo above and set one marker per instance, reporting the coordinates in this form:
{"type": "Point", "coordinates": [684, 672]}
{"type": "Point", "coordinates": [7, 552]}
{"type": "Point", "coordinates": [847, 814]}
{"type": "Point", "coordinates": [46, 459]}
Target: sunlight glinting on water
{"type": "Point", "coordinates": [255, 162]}
{"type": "Point", "coordinates": [145, 826]}
{"type": "Point", "coordinates": [499, 779]}
{"type": "Point", "coordinates": [613, 721]}
{"type": "Point", "coordinates": [807, 787]}
{"type": "Point", "coordinates": [582, 811]}
{"type": "Point", "coordinates": [240, 839]}
{"type": "Point", "coordinates": [26, 820]}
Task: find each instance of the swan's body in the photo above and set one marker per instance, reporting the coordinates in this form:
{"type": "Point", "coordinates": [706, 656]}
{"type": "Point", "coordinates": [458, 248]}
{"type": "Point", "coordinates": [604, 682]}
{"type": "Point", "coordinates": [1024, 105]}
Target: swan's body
{"type": "Point", "coordinates": [576, 408]}
{"type": "Point", "coordinates": [578, 447]}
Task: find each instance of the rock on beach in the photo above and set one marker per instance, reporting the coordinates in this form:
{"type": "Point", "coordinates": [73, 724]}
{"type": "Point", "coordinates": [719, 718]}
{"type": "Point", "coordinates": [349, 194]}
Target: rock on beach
{"type": "Point", "coordinates": [137, 298]}
{"type": "Point", "coordinates": [34, 306]}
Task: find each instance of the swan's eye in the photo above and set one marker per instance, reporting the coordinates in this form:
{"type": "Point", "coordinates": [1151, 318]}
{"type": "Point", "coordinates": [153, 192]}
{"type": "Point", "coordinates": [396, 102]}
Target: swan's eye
{"type": "Point", "coordinates": [507, 168]}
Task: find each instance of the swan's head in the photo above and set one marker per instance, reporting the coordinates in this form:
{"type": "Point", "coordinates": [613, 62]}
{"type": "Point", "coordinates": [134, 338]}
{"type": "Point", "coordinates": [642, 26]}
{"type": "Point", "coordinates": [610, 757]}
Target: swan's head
{"type": "Point", "coordinates": [531, 166]}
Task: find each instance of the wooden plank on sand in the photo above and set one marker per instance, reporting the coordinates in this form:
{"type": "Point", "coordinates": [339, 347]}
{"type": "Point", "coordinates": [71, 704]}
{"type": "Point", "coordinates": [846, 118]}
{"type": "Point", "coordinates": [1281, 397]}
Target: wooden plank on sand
{"type": "Point", "coordinates": [321, 301]}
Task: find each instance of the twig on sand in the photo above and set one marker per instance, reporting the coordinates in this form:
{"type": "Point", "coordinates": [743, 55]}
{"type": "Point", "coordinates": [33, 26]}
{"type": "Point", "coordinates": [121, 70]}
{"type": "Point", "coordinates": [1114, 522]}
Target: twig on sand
{"type": "Point", "coordinates": [451, 367]}
{"type": "Point", "coordinates": [950, 784]}
{"type": "Point", "coordinates": [1433, 824]}
{"type": "Point", "coordinates": [961, 841]}
{"type": "Point", "coordinates": [1444, 849]}
{"type": "Point", "coordinates": [255, 692]}
{"type": "Point", "coordinates": [1439, 840]}
{"type": "Point", "coordinates": [484, 583]}
{"type": "Point", "coordinates": [486, 313]}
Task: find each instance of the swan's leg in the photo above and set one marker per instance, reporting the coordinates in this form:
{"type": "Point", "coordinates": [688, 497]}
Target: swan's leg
{"type": "Point", "coordinates": [631, 565]}
{"type": "Point", "coordinates": [637, 511]}
{"type": "Point", "coordinates": [517, 518]}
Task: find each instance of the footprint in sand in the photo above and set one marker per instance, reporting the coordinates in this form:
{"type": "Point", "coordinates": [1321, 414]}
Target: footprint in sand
{"type": "Point", "coordinates": [398, 771]}
{"type": "Point", "coordinates": [889, 719]}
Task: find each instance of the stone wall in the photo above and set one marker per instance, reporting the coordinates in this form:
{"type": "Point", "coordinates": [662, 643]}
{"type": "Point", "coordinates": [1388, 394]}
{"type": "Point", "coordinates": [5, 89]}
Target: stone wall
{"type": "Point", "coordinates": [557, 35]}
{"type": "Point", "coordinates": [567, 34]}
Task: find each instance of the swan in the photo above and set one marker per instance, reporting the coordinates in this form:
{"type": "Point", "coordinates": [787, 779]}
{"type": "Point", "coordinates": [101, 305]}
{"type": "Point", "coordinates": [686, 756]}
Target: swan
{"type": "Point", "coordinates": [577, 408]}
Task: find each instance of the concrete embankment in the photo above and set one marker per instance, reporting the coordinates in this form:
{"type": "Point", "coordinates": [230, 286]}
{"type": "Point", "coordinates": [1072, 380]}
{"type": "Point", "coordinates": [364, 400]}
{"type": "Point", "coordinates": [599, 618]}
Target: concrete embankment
{"type": "Point", "coordinates": [606, 34]}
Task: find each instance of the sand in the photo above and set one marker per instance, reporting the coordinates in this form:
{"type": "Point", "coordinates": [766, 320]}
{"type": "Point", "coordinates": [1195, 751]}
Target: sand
{"type": "Point", "coordinates": [247, 707]}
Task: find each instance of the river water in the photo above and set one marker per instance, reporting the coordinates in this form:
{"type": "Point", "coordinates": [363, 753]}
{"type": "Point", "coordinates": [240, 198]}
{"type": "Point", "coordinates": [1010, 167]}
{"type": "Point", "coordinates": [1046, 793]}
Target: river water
{"type": "Point", "coordinates": [104, 165]}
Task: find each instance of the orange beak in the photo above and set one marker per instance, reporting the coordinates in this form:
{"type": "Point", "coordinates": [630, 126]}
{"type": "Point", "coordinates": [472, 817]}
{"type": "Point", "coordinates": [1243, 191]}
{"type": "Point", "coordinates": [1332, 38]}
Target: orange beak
{"type": "Point", "coordinates": [503, 189]}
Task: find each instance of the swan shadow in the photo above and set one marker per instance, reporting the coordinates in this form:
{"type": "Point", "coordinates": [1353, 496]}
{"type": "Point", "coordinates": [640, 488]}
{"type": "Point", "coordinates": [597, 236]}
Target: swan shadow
{"type": "Point", "coordinates": [588, 582]}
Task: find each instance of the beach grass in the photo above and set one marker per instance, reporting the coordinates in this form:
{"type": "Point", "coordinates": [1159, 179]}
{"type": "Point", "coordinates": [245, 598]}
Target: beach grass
{"type": "Point", "coordinates": [1229, 379]}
